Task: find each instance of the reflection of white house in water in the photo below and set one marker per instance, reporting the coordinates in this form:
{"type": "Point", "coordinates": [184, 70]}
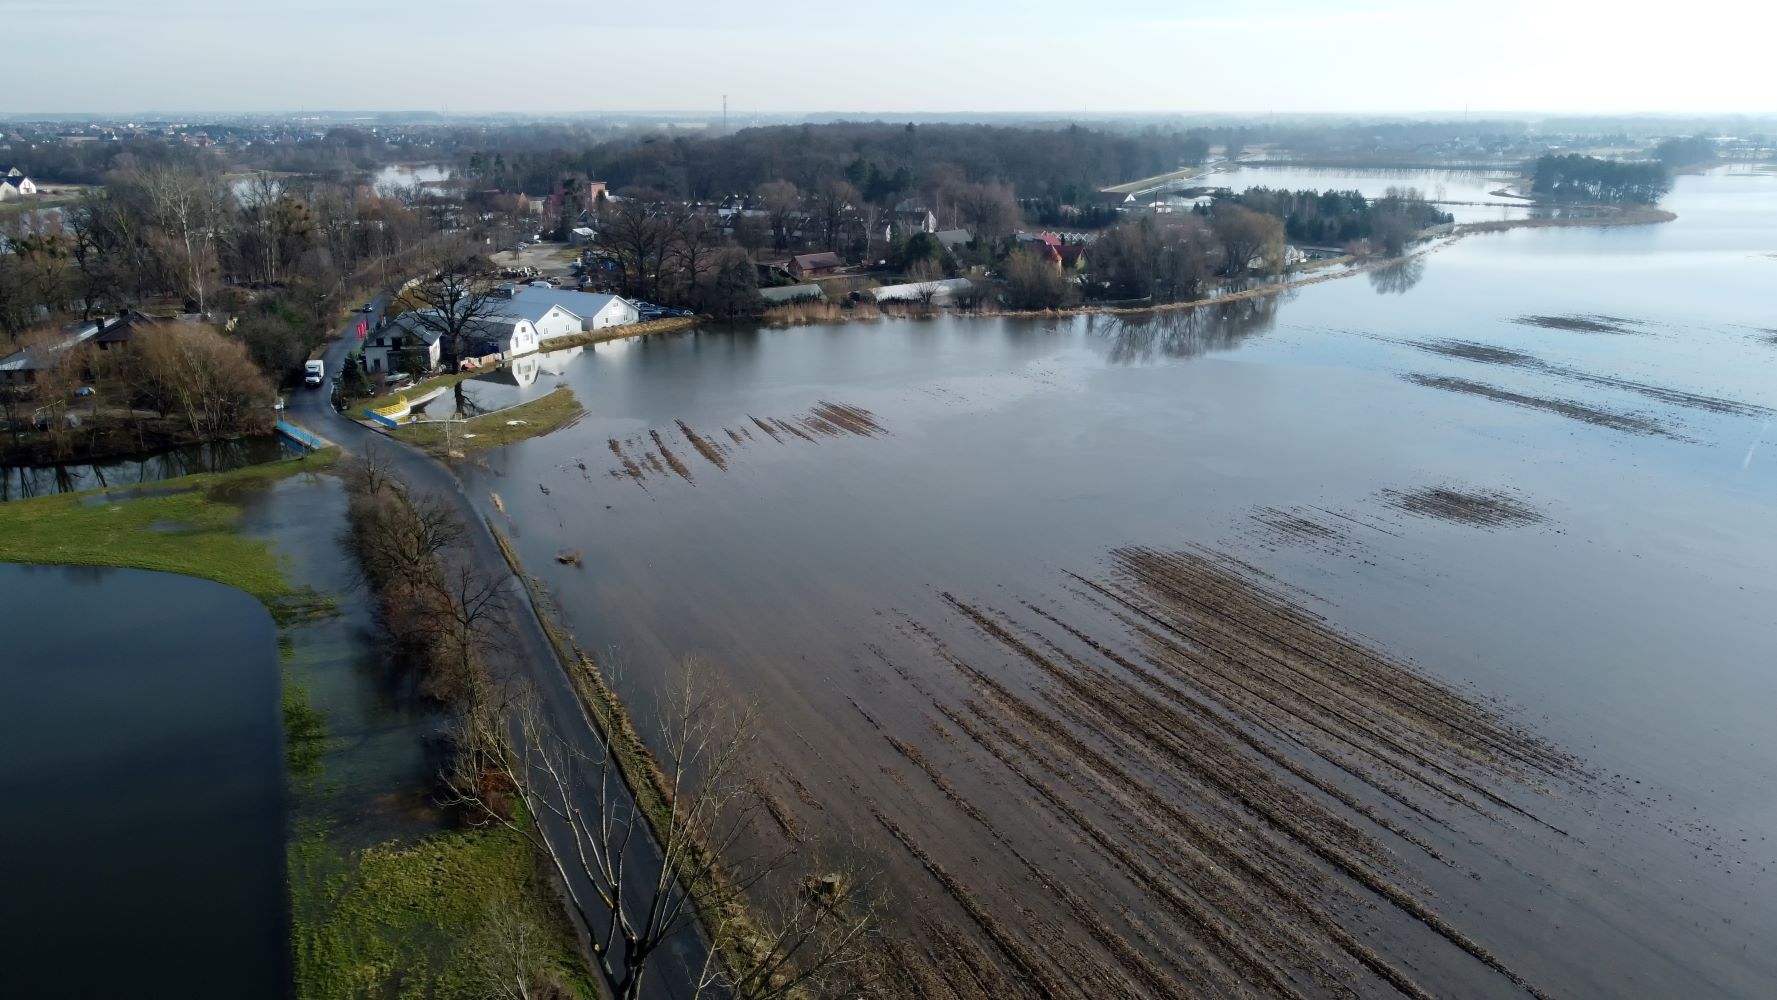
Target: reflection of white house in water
{"type": "Point", "coordinates": [528, 369]}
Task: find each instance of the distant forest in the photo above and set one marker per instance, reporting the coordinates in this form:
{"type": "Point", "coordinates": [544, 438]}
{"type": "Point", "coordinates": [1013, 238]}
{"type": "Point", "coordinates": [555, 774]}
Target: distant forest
{"type": "Point", "coordinates": [880, 160]}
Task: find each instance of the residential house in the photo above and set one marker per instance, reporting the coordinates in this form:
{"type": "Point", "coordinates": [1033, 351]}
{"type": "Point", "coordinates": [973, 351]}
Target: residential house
{"type": "Point", "coordinates": [908, 218]}
{"type": "Point", "coordinates": [21, 367]}
{"type": "Point", "coordinates": [1073, 257]}
{"type": "Point", "coordinates": [954, 240]}
{"type": "Point", "coordinates": [506, 336]}
{"type": "Point", "coordinates": [581, 236]}
{"type": "Point", "coordinates": [814, 265]}
{"type": "Point", "coordinates": [116, 334]}
{"type": "Point", "coordinates": [397, 341]}
{"type": "Point", "coordinates": [16, 185]}
{"type": "Point", "coordinates": [557, 312]}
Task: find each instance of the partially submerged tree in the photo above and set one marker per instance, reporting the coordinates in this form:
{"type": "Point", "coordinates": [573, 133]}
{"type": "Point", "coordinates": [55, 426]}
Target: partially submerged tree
{"type": "Point", "coordinates": [578, 812]}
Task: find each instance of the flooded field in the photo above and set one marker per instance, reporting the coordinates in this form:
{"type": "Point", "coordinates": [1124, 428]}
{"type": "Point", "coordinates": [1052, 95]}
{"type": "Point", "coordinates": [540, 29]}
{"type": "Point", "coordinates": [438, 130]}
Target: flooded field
{"type": "Point", "coordinates": [1403, 635]}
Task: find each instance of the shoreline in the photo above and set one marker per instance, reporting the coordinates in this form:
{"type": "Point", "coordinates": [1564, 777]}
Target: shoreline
{"type": "Point", "coordinates": [1354, 266]}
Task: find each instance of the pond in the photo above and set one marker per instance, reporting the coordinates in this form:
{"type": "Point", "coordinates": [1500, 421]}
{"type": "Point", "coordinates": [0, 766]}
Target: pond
{"type": "Point", "coordinates": [1535, 467]}
{"type": "Point", "coordinates": [21, 481]}
{"type": "Point", "coordinates": [142, 803]}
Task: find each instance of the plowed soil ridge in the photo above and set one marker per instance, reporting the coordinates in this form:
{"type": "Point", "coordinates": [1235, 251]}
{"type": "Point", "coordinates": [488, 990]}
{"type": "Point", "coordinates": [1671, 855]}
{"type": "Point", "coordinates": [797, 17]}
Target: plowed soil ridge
{"type": "Point", "coordinates": [1243, 774]}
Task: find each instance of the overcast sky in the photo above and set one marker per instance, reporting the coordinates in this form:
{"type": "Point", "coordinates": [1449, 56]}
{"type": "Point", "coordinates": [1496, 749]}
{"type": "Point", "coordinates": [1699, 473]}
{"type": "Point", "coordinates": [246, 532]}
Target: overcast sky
{"type": "Point", "coordinates": [915, 55]}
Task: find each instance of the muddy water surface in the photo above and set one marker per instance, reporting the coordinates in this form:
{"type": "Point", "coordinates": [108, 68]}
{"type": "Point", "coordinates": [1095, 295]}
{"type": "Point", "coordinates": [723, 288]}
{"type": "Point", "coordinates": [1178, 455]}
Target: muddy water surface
{"type": "Point", "coordinates": [1370, 639]}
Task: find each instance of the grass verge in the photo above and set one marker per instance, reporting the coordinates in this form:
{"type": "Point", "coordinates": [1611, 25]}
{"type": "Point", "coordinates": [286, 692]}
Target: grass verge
{"type": "Point", "coordinates": [668, 325]}
{"type": "Point", "coordinates": [184, 525]}
{"type": "Point", "coordinates": [640, 771]}
{"type": "Point", "coordinates": [419, 920]}
{"type": "Point", "coordinates": [527, 420]}
{"type": "Point", "coordinates": [413, 391]}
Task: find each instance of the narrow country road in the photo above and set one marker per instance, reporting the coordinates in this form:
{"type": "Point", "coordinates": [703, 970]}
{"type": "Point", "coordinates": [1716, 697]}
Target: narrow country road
{"type": "Point", "coordinates": [673, 971]}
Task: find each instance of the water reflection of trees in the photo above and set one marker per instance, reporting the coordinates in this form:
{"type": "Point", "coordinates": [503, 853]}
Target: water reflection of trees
{"type": "Point", "coordinates": [24, 482]}
{"type": "Point", "coordinates": [1399, 278]}
{"type": "Point", "coordinates": [1184, 333]}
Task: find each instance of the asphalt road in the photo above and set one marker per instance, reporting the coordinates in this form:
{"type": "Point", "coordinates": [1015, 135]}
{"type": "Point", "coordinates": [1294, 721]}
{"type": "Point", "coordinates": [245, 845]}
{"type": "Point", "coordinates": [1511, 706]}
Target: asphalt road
{"type": "Point", "coordinates": [528, 655]}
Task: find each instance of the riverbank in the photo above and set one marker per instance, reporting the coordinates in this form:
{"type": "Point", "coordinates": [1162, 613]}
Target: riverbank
{"type": "Point", "coordinates": [452, 438]}
{"type": "Point", "coordinates": [185, 525]}
{"type": "Point", "coordinates": [104, 438]}
{"type": "Point", "coordinates": [365, 914]}
{"type": "Point", "coordinates": [671, 324]}
{"type": "Point", "coordinates": [802, 314]}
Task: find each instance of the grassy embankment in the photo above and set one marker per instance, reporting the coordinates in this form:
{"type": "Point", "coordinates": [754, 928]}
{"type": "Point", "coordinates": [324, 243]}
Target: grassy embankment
{"type": "Point", "coordinates": [362, 920]}
{"type": "Point", "coordinates": [641, 773]}
{"type": "Point", "coordinates": [491, 430]}
{"type": "Point", "coordinates": [670, 324]}
{"type": "Point", "coordinates": [184, 525]}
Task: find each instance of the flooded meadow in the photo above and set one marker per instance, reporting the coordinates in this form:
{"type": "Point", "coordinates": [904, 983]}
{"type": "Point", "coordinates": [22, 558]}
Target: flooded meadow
{"type": "Point", "coordinates": [1405, 634]}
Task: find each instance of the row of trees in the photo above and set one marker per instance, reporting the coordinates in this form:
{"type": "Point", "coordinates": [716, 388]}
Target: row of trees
{"type": "Point", "coordinates": [1338, 218]}
{"type": "Point", "coordinates": [883, 161]}
{"type": "Point", "coordinates": [184, 237]}
{"type": "Point", "coordinates": [586, 809]}
{"type": "Point", "coordinates": [1574, 177]}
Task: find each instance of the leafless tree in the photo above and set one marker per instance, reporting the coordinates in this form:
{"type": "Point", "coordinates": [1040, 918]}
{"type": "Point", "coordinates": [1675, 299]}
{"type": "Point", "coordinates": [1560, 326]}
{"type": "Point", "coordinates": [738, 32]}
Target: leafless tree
{"type": "Point", "coordinates": [638, 236]}
{"type": "Point", "coordinates": [452, 301]}
{"type": "Point", "coordinates": [780, 200]}
{"type": "Point", "coordinates": [928, 280]}
{"type": "Point", "coordinates": [1248, 238]}
{"type": "Point", "coordinates": [815, 937]}
{"type": "Point", "coordinates": [703, 813]}
{"type": "Point", "coordinates": [831, 206]}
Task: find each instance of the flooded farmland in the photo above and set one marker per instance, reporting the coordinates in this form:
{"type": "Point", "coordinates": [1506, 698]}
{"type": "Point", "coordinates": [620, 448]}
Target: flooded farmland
{"type": "Point", "coordinates": [1402, 635]}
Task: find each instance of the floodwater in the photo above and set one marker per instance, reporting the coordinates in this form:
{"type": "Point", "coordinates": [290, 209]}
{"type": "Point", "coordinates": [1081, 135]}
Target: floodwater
{"type": "Point", "coordinates": [20, 481]}
{"type": "Point", "coordinates": [142, 799]}
{"type": "Point", "coordinates": [406, 175]}
{"type": "Point", "coordinates": [1109, 641]}
{"type": "Point", "coordinates": [1470, 193]}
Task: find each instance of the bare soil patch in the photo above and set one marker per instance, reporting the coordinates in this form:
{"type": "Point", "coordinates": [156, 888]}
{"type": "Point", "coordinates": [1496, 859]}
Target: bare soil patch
{"type": "Point", "coordinates": [1568, 408]}
{"type": "Point", "coordinates": [1480, 508]}
{"type": "Point", "coordinates": [1489, 354]}
{"type": "Point", "coordinates": [1576, 323]}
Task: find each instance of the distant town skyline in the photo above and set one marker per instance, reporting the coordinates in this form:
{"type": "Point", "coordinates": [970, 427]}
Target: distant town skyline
{"type": "Point", "coordinates": [1040, 56]}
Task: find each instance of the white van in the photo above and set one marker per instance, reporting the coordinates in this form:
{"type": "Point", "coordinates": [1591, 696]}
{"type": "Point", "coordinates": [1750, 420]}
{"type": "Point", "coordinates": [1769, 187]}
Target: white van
{"type": "Point", "coordinates": [314, 372]}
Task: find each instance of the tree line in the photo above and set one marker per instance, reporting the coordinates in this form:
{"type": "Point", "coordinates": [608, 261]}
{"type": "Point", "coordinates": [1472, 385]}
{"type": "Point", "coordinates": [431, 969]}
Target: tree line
{"type": "Point", "coordinates": [882, 160]}
{"type": "Point", "coordinates": [1575, 177]}
{"type": "Point", "coordinates": [1338, 218]}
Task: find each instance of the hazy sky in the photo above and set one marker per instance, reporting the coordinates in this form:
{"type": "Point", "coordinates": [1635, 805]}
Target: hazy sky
{"type": "Point", "coordinates": [918, 55]}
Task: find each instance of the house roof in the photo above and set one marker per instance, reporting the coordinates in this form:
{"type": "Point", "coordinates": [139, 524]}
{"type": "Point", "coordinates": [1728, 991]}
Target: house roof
{"type": "Point", "coordinates": [914, 291]}
{"type": "Point", "coordinates": [120, 330]}
{"type": "Point", "coordinates": [408, 323]}
{"type": "Point", "coordinates": [809, 261]}
{"type": "Point", "coordinates": [791, 293]}
{"type": "Point", "coordinates": [1071, 253]}
{"type": "Point", "coordinates": [534, 303]}
{"type": "Point", "coordinates": [17, 182]}
{"type": "Point", "coordinates": [953, 238]}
